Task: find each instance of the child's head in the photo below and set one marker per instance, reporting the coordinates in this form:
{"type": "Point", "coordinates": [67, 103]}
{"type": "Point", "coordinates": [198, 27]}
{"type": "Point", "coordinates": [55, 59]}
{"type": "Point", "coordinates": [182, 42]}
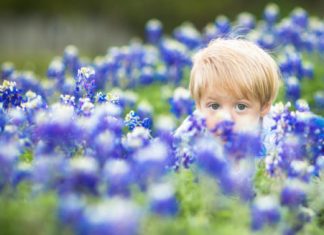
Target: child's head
{"type": "Point", "coordinates": [234, 79]}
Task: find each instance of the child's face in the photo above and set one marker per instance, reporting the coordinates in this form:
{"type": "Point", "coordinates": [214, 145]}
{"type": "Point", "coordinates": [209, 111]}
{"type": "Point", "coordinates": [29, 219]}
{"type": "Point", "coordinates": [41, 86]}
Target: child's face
{"type": "Point", "coordinates": [217, 105]}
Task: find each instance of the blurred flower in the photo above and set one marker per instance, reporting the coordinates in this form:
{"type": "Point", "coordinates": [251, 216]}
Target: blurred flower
{"type": "Point", "coordinates": [7, 69]}
{"type": "Point", "coordinates": [188, 35]}
{"type": "Point", "coordinates": [271, 13]}
{"type": "Point", "coordinates": [265, 211]}
{"type": "Point", "coordinates": [293, 194]}
{"type": "Point", "coordinates": [81, 176]}
{"type": "Point", "coordinates": [118, 176]}
{"type": "Point", "coordinates": [292, 89]}
{"type": "Point", "coordinates": [154, 31]}
{"type": "Point", "coordinates": [115, 216]}
{"type": "Point", "coordinates": [70, 210]}
{"type": "Point", "coordinates": [181, 103]}
{"type": "Point", "coordinates": [319, 99]}
{"type": "Point", "coordinates": [162, 199]}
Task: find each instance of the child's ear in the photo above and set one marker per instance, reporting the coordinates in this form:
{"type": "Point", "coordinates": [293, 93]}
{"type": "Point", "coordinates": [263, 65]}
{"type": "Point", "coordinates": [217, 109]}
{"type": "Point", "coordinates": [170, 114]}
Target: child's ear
{"type": "Point", "coordinates": [265, 109]}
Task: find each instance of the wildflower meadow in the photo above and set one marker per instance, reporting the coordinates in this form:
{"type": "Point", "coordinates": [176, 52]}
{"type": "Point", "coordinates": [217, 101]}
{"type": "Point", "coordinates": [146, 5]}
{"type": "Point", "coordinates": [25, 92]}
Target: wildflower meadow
{"type": "Point", "coordinates": [89, 147]}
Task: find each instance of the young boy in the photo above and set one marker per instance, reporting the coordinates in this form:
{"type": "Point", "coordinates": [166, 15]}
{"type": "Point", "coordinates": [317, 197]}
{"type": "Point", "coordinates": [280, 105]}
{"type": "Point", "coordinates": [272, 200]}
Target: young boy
{"type": "Point", "coordinates": [231, 80]}
{"type": "Point", "coordinates": [235, 80]}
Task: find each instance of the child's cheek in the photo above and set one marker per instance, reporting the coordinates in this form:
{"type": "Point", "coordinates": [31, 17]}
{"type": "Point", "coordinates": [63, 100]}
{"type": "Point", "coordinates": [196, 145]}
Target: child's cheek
{"type": "Point", "coordinates": [247, 123]}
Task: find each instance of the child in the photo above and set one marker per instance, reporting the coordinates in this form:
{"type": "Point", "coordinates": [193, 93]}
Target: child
{"type": "Point", "coordinates": [233, 80]}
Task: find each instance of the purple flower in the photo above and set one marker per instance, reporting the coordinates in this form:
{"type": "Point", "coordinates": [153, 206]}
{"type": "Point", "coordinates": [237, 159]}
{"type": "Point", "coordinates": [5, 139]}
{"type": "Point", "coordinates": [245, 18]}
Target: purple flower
{"type": "Point", "coordinates": [7, 69]}
{"type": "Point", "coordinates": [300, 17]}
{"type": "Point", "coordinates": [293, 195]}
{"type": "Point", "coordinates": [188, 35]}
{"type": "Point", "coordinates": [264, 211]}
{"type": "Point", "coordinates": [70, 210]}
{"type": "Point", "coordinates": [292, 89]}
{"type": "Point", "coordinates": [210, 157]}
{"type": "Point", "coordinates": [154, 31]}
{"type": "Point", "coordinates": [162, 199]}
{"type": "Point", "coordinates": [118, 176]}
{"type": "Point", "coordinates": [71, 59]}
{"type": "Point", "coordinates": [81, 176]}
{"type": "Point", "coordinates": [319, 99]}
{"type": "Point", "coordinates": [271, 13]}
{"type": "Point", "coordinates": [10, 95]}
{"type": "Point", "coordinates": [223, 26]}
{"type": "Point", "coordinates": [115, 217]}
{"type": "Point", "coordinates": [245, 22]}
{"type": "Point", "coordinates": [181, 103]}
{"type": "Point", "coordinates": [151, 161]}
{"type": "Point", "coordinates": [8, 160]}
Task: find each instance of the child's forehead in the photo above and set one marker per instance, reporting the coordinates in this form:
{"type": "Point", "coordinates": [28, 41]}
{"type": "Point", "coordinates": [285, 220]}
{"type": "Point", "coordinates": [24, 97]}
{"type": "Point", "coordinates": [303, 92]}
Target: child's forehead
{"type": "Point", "coordinates": [218, 92]}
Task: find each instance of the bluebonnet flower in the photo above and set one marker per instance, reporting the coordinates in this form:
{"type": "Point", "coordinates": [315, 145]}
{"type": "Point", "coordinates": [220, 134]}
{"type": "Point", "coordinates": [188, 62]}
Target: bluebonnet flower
{"type": "Point", "coordinates": [245, 23]}
{"type": "Point", "coordinates": [114, 216]}
{"type": "Point", "coordinates": [56, 128]}
{"type": "Point", "coordinates": [209, 33]}
{"type": "Point", "coordinates": [8, 160]}
{"type": "Point", "coordinates": [188, 35]}
{"type": "Point", "coordinates": [185, 136]}
{"type": "Point", "coordinates": [308, 70]}
{"type": "Point", "coordinates": [181, 103]}
{"type": "Point", "coordinates": [271, 14]}
{"type": "Point", "coordinates": [210, 156]}
{"type": "Point", "coordinates": [302, 106]}
{"type": "Point", "coordinates": [264, 211]}
{"type": "Point", "coordinates": [23, 171]}
{"type": "Point", "coordinates": [292, 89]}
{"type": "Point", "coordinates": [136, 139]}
{"type": "Point", "coordinates": [68, 100]}
{"type": "Point", "coordinates": [162, 199]}
{"type": "Point", "coordinates": [10, 95]}
{"type": "Point", "coordinates": [238, 179]}
{"type": "Point", "coordinates": [3, 120]}
{"type": "Point", "coordinates": [146, 76]}
{"type": "Point", "coordinates": [70, 210]}
{"type": "Point", "coordinates": [223, 26]}
{"type": "Point", "coordinates": [82, 175]}
{"type": "Point", "coordinates": [174, 53]}
{"type": "Point", "coordinates": [104, 144]}
{"type": "Point", "coordinates": [47, 172]}
{"type": "Point", "coordinates": [85, 106]}
{"type": "Point", "coordinates": [118, 176]}
{"type": "Point", "coordinates": [85, 81]}
{"type": "Point", "coordinates": [243, 145]}
{"type": "Point", "coordinates": [224, 129]}
{"type": "Point", "coordinates": [28, 81]}
{"type": "Point", "coordinates": [319, 99]}
{"type": "Point", "coordinates": [299, 17]}
{"type": "Point", "coordinates": [301, 169]}
{"type": "Point", "coordinates": [293, 194]}
{"type": "Point", "coordinates": [56, 70]}
{"type": "Point", "coordinates": [151, 162]}
{"type": "Point", "coordinates": [164, 124]}
{"type": "Point", "coordinates": [33, 102]}
{"type": "Point", "coordinates": [71, 59]}
{"type": "Point", "coordinates": [145, 109]}
{"type": "Point", "coordinates": [7, 69]}
{"type": "Point", "coordinates": [154, 31]}
{"type": "Point", "coordinates": [132, 120]}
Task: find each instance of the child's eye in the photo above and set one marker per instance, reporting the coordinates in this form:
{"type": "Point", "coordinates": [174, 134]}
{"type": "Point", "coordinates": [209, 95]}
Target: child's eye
{"type": "Point", "coordinates": [214, 106]}
{"type": "Point", "coordinates": [241, 107]}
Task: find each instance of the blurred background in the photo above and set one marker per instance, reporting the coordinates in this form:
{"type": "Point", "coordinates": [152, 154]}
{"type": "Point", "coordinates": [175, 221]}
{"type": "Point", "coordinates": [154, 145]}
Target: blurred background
{"type": "Point", "coordinates": [33, 31]}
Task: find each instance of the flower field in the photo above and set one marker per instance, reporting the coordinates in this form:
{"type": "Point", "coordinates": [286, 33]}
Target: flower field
{"type": "Point", "coordinates": [89, 148]}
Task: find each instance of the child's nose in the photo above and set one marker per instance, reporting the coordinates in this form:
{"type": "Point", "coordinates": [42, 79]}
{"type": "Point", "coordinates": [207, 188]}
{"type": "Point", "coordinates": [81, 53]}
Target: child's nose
{"type": "Point", "coordinates": [225, 115]}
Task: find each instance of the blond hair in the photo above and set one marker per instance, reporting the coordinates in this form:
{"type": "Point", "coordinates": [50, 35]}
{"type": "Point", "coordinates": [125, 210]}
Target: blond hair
{"type": "Point", "coordinates": [237, 66]}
